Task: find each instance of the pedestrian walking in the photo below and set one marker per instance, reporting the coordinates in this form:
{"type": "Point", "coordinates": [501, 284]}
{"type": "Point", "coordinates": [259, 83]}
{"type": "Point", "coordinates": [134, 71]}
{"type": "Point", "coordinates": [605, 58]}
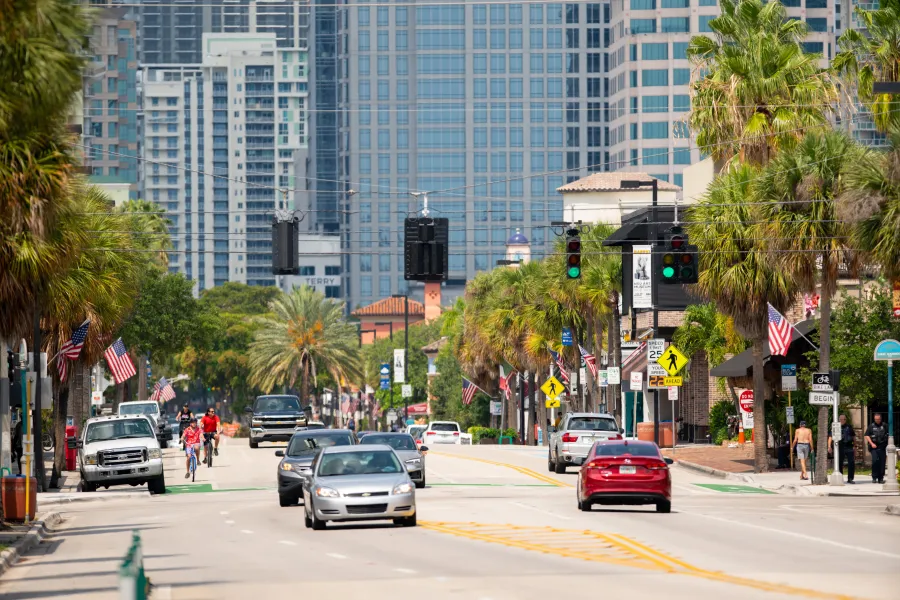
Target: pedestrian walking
{"type": "Point", "coordinates": [351, 424]}
{"type": "Point", "coordinates": [803, 440]}
{"type": "Point", "coordinates": [845, 449]}
{"type": "Point", "coordinates": [876, 441]}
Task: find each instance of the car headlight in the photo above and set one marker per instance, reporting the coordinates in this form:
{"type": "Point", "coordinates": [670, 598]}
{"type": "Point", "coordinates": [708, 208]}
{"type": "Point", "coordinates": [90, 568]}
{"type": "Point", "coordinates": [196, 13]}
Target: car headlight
{"type": "Point", "coordinates": [414, 462]}
{"type": "Point", "coordinates": [301, 422]}
{"type": "Point", "coordinates": [403, 488]}
{"type": "Point", "coordinates": [90, 459]}
{"type": "Point", "coordinates": [154, 453]}
{"type": "Point", "coordinates": [255, 422]}
{"type": "Point", "coordinates": [327, 492]}
{"type": "Point", "coordinates": [286, 466]}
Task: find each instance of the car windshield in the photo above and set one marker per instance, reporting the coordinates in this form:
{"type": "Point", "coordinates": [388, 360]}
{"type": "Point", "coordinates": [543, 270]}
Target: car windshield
{"type": "Point", "coordinates": [444, 427]}
{"type": "Point", "coordinates": [397, 442]}
{"type": "Point", "coordinates": [359, 463]}
{"type": "Point", "coordinates": [276, 404]}
{"type": "Point", "coordinates": [119, 429]}
{"type": "Point", "coordinates": [149, 408]}
{"type": "Point", "coordinates": [622, 449]}
{"type": "Point", "coordinates": [592, 424]}
{"type": "Point", "coordinates": [306, 445]}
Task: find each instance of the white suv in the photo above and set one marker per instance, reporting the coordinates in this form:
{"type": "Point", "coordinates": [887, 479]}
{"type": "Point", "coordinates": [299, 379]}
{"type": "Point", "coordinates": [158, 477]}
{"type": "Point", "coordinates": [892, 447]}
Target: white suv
{"type": "Point", "coordinates": [120, 450]}
{"type": "Point", "coordinates": [444, 432]}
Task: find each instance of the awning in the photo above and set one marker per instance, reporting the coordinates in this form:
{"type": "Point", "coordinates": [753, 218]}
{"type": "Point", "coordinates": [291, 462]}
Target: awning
{"type": "Point", "coordinates": [418, 409]}
{"type": "Point", "coordinates": [635, 362]}
{"type": "Point", "coordinates": [742, 364]}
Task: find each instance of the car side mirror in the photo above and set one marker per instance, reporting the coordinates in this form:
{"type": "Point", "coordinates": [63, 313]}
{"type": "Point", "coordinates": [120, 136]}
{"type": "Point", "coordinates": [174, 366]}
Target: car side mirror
{"type": "Point", "coordinates": [423, 448]}
{"type": "Point", "coordinates": [621, 430]}
{"type": "Point", "coordinates": [71, 443]}
{"type": "Point", "coordinates": [669, 461]}
{"type": "Point", "coordinates": [248, 409]}
{"type": "Point", "coordinates": [279, 453]}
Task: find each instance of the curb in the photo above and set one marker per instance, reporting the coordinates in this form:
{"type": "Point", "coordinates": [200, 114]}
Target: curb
{"type": "Point", "coordinates": [80, 497]}
{"type": "Point", "coordinates": [715, 472]}
{"type": "Point", "coordinates": [893, 509]}
{"type": "Point", "coordinates": [35, 535]}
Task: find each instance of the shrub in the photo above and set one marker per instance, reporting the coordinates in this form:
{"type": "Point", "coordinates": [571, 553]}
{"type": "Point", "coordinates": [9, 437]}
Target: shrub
{"type": "Point", "coordinates": [718, 420]}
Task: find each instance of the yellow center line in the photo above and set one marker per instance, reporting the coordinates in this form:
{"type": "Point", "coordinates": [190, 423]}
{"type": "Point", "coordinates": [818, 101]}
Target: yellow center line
{"type": "Point", "coordinates": [522, 470]}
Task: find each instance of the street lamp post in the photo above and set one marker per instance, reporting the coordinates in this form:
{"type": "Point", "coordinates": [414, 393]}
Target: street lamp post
{"type": "Point", "coordinates": [390, 324]}
{"type": "Point", "coordinates": [405, 347]}
{"type": "Point", "coordinates": [654, 240]}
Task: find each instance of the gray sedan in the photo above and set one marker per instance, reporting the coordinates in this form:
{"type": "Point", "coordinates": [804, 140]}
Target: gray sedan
{"type": "Point", "coordinates": [405, 447]}
{"type": "Point", "coordinates": [358, 483]}
{"type": "Point", "coordinates": [296, 460]}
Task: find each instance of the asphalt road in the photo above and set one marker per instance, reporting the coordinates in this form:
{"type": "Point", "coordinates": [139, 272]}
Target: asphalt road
{"type": "Point", "coordinates": [493, 524]}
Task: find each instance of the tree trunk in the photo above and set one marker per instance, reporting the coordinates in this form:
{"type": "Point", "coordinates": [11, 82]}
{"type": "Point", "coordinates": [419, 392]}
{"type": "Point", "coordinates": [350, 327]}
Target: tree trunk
{"type": "Point", "coordinates": [60, 408]}
{"type": "Point", "coordinates": [304, 388]}
{"type": "Point", "coordinates": [760, 454]}
{"type": "Point", "coordinates": [821, 476]}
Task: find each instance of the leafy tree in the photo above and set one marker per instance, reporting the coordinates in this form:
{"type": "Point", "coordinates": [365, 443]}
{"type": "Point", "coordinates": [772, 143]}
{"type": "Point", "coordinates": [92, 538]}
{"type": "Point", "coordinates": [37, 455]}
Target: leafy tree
{"type": "Point", "coordinates": [238, 298]}
{"type": "Point", "coordinates": [707, 330]}
{"type": "Point", "coordinates": [382, 351]}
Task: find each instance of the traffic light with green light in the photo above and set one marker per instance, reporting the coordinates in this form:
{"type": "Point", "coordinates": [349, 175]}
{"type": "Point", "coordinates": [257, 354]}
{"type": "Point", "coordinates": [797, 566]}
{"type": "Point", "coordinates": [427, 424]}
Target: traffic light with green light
{"type": "Point", "coordinates": [679, 264]}
{"type": "Point", "coordinates": [573, 254]}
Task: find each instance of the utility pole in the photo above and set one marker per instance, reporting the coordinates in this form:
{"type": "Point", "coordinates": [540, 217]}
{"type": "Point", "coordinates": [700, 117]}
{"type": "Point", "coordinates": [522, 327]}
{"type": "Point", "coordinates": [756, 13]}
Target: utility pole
{"type": "Point", "coordinates": [5, 425]}
{"type": "Point", "coordinates": [37, 422]}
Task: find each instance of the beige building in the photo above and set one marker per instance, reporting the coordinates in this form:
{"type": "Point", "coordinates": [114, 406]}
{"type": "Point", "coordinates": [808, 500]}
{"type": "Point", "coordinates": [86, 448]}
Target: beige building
{"type": "Point", "coordinates": [601, 197]}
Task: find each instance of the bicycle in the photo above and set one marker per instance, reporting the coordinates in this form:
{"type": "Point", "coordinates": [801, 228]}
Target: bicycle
{"type": "Point", "coordinates": [193, 457]}
{"type": "Point", "coordinates": [208, 448]}
{"type": "Point", "coordinates": [47, 442]}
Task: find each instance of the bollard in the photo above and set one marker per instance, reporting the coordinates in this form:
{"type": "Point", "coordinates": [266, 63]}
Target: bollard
{"type": "Point", "coordinates": [133, 581]}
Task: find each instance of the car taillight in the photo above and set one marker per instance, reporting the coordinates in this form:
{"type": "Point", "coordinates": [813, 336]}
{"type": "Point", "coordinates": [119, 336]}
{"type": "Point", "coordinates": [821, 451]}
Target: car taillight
{"type": "Point", "coordinates": [618, 436]}
{"type": "Point", "coordinates": [429, 433]}
{"type": "Point", "coordinates": [456, 433]}
{"type": "Point", "coordinates": [597, 465]}
{"type": "Point", "coordinates": [657, 467]}
{"type": "Point", "coordinates": [568, 438]}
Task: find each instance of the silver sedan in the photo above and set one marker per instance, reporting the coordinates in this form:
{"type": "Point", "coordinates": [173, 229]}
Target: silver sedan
{"type": "Point", "coordinates": [358, 483]}
{"type": "Point", "coordinates": [405, 446]}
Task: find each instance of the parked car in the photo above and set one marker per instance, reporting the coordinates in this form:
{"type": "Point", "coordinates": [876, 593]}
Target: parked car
{"type": "Point", "coordinates": [416, 432]}
{"type": "Point", "coordinates": [412, 456]}
{"type": "Point", "coordinates": [442, 432]}
{"type": "Point", "coordinates": [577, 432]}
{"type": "Point", "coordinates": [296, 460]}
{"type": "Point", "coordinates": [120, 450]}
{"type": "Point", "coordinates": [274, 419]}
{"type": "Point", "coordinates": [358, 483]}
{"type": "Point", "coordinates": [625, 472]}
{"type": "Point", "coordinates": [149, 408]}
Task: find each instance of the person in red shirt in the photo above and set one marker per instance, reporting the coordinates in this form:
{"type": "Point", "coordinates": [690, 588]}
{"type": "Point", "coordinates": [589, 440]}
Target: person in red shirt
{"type": "Point", "coordinates": [191, 438]}
{"type": "Point", "coordinates": [212, 427]}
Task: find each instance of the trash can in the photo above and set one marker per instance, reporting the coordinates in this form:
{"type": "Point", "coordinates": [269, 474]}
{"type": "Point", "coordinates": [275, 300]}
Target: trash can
{"type": "Point", "coordinates": [12, 495]}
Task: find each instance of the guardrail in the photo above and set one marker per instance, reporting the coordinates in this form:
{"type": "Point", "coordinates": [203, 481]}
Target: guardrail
{"type": "Point", "coordinates": [133, 581]}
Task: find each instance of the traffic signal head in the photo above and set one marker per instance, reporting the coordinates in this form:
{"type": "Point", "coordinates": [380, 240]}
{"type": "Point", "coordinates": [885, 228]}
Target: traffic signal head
{"type": "Point", "coordinates": [668, 267]}
{"type": "Point", "coordinates": [679, 259]}
{"type": "Point", "coordinates": [573, 257]}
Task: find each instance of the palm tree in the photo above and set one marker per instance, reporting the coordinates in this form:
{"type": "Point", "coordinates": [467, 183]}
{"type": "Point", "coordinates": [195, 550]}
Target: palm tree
{"type": "Point", "coordinates": [872, 53]}
{"type": "Point", "coordinates": [737, 274]}
{"type": "Point", "coordinates": [305, 332]}
{"type": "Point", "coordinates": [798, 191]}
{"type": "Point", "coordinates": [754, 89]}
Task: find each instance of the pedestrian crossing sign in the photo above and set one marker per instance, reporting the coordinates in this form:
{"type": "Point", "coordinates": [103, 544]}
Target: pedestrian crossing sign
{"type": "Point", "coordinates": [672, 360]}
{"type": "Point", "coordinates": [552, 403]}
{"type": "Point", "coordinates": [553, 388]}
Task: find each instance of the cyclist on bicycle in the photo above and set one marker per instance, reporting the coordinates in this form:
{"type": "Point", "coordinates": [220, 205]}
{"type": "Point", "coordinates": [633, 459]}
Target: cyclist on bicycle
{"type": "Point", "coordinates": [191, 440]}
{"type": "Point", "coordinates": [211, 429]}
{"type": "Point", "coordinates": [184, 416]}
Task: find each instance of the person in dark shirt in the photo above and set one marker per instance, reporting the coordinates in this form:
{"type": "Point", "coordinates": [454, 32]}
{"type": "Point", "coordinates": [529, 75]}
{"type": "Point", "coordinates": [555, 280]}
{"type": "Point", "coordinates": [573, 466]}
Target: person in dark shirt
{"type": "Point", "coordinates": [17, 443]}
{"type": "Point", "coordinates": [845, 449]}
{"type": "Point", "coordinates": [876, 442]}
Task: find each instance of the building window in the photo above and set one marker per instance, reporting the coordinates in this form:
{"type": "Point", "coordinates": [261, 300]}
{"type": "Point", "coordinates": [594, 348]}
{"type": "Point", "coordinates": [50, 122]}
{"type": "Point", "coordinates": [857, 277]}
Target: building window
{"type": "Point", "coordinates": [643, 25]}
{"type": "Point", "coordinates": [676, 24]}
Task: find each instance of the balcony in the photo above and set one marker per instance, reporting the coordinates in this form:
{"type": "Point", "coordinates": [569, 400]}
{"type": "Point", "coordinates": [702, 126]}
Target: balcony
{"type": "Point", "coordinates": [260, 78]}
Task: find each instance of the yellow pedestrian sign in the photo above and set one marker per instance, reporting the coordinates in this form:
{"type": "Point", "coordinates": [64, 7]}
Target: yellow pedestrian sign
{"type": "Point", "coordinates": [552, 388]}
{"type": "Point", "coordinates": [552, 403]}
{"type": "Point", "coordinates": [672, 381]}
{"type": "Point", "coordinates": [672, 360]}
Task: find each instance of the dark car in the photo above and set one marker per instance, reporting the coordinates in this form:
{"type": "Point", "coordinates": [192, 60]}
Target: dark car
{"type": "Point", "coordinates": [295, 461]}
{"type": "Point", "coordinates": [362, 434]}
{"type": "Point", "coordinates": [274, 419]}
{"type": "Point", "coordinates": [625, 472]}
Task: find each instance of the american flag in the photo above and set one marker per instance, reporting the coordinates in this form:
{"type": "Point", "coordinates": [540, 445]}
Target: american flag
{"type": "Point", "coordinates": [163, 390]}
{"type": "Point", "coordinates": [71, 349]}
{"type": "Point", "coordinates": [119, 362]}
{"type": "Point", "coordinates": [560, 363]}
{"type": "Point", "coordinates": [780, 332]}
{"type": "Point", "coordinates": [589, 359]}
{"type": "Point", "coordinates": [468, 391]}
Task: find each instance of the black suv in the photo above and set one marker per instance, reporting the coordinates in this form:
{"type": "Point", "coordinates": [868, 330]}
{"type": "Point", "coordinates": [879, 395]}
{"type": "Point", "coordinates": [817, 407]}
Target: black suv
{"type": "Point", "coordinates": [275, 418]}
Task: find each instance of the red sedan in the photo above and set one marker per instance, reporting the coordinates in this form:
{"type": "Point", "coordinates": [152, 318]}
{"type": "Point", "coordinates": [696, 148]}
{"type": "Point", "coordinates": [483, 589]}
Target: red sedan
{"type": "Point", "coordinates": [625, 472]}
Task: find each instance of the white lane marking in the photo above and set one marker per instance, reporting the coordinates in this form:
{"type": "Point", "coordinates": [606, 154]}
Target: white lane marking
{"type": "Point", "coordinates": [541, 510]}
{"type": "Point", "coordinates": [797, 535]}
{"type": "Point", "coordinates": [223, 512]}
{"type": "Point", "coordinates": [287, 543]}
{"type": "Point", "coordinates": [246, 531]}
{"type": "Point", "coordinates": [229, 522]}
{"type": "Point", "coordinates": [407, 571]}
{"type": "Point", "coordinates": [335, 555]}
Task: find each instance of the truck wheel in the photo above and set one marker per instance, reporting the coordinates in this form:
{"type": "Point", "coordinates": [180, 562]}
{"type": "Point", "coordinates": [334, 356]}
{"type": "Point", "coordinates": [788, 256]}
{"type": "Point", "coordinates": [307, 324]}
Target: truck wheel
{"type": "Point", "coordinates": [254, 444]}
{"type": "Point", "coordinates": [157, 485]}
{"type": "Point", "coordinates": [87, 486]}
{"type": "Point", "coordinates": [559, 466]}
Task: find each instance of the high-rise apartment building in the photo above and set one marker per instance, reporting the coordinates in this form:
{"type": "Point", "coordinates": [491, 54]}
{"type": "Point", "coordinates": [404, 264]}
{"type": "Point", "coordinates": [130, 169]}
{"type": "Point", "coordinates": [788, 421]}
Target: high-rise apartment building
{"type": "Point", "coordinates": [110, 103]}
{"type": "Point", "coordinates": [220, 143]}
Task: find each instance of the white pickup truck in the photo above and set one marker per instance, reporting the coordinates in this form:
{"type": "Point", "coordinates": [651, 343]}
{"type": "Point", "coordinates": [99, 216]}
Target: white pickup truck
{"type": "Point", "coordinates": [120, 450]}
{"type": "Point", "coordinates": [150, 409]}
{"type": "Point", "coordinates": [577, 432]}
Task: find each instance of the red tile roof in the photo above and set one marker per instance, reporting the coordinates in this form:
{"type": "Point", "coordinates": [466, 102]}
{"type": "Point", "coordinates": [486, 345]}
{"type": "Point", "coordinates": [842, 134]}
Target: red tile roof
{"type": "Point", "coordinates": [390, 307]}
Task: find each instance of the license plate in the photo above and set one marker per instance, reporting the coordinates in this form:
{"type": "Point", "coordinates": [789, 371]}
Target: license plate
{"type": "Point", "coordinates": [627, 470]}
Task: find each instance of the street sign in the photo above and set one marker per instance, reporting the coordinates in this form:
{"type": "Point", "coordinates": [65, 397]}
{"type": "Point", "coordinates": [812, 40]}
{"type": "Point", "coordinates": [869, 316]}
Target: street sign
{"type": "Point", "coordinates": [406, 391]}
{"type": "Point", "coordinates": [604, 378]}
{"type": "Point", "coordinates": [745, 400]}
{"type": "Point", "coordinates": [821, 398]}
{"type": "Point", "coordinates": [573, 383]}
{"type": "Point", "coordinates": [583, 374]}
{"type": "Point", "coordinates": [654, 370]}
{"type": "Point", "coordinates": [656, 382]}
{"type": "Point", "coordinates": [399, 366]}
{"type": "Point", "coordinates": [673, 381]}
{"type": "Point", "coordinates": [821, 382]}
{"type": "Point", "coordinates": [96, 398]}
{"type": "Point", "coordinates": [612, 375]}
{"type": "Point", "coordinates": [788, 378]}
{"type": "Point", "coordinates": [385, 376]}
{"type": "Point", "coordinates": [789, 415]}
{"type": "Point", "coordinates": [637, 381]}
{"type": "Point", "coordinates": [887, 350]}
{"type": "Point", "coordinates": [566, 336]}
{"type": "Point", "coordinates": [496, 408]}
{"type": "Point", "coordinates": [655, 349]}
{"type": "Point", "coordinates": [672, 360]}
{"type": "Point", "coordinates": [552, 388]}
{"type": "Point", "coordinates": [673, 393]}
{"type": "Point", "coordinates": [552, 402]}
{"type": "Point", "coordinates": [896, 298]}
{"type": "Point", "coordinates": [836, 431]}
